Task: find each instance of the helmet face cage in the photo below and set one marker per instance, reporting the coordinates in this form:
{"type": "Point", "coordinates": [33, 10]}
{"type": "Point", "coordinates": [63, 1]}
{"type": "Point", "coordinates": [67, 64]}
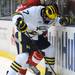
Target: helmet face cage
{"type": "Point", "coordinates": [50, 12]}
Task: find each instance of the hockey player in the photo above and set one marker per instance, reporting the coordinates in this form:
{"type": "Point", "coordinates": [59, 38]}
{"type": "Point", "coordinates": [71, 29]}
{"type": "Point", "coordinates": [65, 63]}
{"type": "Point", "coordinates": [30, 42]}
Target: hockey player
{"type": "Point", "coordinates": [28, 23]}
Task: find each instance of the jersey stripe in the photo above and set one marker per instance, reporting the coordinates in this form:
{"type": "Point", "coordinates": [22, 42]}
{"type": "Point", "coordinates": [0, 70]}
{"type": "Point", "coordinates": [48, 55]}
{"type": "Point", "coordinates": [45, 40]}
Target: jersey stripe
{"type": "Point", "coordinates": [15, 66]}
{"type": "Point", "coordinates": [50, 61]}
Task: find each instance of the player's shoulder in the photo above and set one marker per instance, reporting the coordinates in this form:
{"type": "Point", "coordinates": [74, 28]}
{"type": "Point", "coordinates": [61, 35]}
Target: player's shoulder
{"type": "Point", "coordinates": [34, 7]}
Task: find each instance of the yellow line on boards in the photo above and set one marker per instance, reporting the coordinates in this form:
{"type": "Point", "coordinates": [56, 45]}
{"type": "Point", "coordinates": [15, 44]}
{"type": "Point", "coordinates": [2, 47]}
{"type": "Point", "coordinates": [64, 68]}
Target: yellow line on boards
{"type": "Point", "coordinates": [7, 54]}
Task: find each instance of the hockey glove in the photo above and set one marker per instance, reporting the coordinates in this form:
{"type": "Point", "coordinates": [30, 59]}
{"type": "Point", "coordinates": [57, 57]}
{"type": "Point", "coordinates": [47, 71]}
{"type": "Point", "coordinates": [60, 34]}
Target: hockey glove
{"type": "Point", "coordinates": [66, 20]}
{"type": "Point", "coordinates": [21, 26]}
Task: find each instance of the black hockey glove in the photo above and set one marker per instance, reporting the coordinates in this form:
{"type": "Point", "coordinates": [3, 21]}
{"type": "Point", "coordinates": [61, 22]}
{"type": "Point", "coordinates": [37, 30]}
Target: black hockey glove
{"type": "Point", "coordinates": [66, 20]}
{"type": "Point", "coordinates": [21, 25]}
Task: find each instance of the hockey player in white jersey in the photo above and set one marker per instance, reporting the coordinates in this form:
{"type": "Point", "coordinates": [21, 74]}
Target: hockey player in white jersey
{"type": "Point", "coordinates": [28, 23]}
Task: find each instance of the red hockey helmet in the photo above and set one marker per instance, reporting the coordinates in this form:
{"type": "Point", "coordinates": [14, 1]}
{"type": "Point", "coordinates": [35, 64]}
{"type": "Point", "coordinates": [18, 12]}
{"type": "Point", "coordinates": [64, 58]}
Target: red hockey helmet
{"type": "Point", "coordinates": [27, 4]}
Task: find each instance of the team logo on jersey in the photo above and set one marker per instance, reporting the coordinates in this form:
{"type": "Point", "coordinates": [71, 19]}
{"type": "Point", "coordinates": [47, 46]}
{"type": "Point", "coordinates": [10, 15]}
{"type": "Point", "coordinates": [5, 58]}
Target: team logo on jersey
{"type": "Point", "coordinates": [26, 12]}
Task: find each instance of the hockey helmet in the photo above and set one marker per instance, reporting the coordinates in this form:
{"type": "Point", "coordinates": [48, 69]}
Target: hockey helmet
{"type": "Point", "coordinates": [51, 12]}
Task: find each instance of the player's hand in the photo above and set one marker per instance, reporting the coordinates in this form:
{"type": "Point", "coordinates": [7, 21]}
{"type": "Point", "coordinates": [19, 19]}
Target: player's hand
{"type": "Point", "coordinates": [21, 25]}
{"type": "Point", "coordinates": [65, 20]}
